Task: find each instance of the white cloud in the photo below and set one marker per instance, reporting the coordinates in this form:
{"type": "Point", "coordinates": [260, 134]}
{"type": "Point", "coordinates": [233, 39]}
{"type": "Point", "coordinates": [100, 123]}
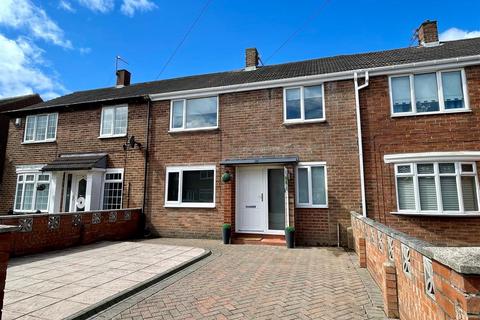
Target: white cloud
{"type": "Point", "coordinates": [85, 50]}
{"type": "Point", "coordinates": [456, 34]}
{"type": "Point", "coordinates": [23, 62]}
{"type": "Point", "coordinates": [66, 5]}
{"type": "Point", "coordinates": [130, 6]}
{"type": "Point", "coordinates": [102, 6]}
{"type": "Point", "coordinates": [23, 14]}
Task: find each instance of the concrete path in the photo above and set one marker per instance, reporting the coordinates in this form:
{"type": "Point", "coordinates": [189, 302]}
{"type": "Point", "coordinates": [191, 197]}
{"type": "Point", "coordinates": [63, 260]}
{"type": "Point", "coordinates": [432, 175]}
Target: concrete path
{"type": "Point", "coordinates": [258, 282]}
{"type": "Point", "coordinates": [59, 284]}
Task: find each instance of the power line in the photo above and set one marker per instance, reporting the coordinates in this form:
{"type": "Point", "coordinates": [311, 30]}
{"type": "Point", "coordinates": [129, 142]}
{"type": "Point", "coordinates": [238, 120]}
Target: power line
{"type": "Point", "coordinates": [192, 26]}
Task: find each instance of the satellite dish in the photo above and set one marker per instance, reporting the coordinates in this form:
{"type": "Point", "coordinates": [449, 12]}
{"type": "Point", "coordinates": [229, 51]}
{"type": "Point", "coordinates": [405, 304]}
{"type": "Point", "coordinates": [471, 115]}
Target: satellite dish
{"type": "Point", "coordinates": [80, 203]}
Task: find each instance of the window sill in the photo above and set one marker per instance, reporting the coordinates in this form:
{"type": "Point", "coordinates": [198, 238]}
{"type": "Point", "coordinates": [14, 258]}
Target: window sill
{"type": "Point", "coordinates": [37, 142]}
{"type": "Point", "coordinates": [295, 122]}
{"type": "Point", "coordinates": [113, 136]}
{"type": "Point", "coordinates": [312, 207]}
{"type": "Point", "coordinates": [192, 130]}
{"type": "Point", "coordinates": [439, 215]}
{"type": "Point", "coordinates": [411, 114]}
{"type": "Point", "coordinates": [190, 205]}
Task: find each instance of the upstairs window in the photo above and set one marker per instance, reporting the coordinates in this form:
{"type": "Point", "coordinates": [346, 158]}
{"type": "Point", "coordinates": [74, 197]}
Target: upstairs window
{"type": "Point", "coordinates": [114, 121]}
{"type": "Point", "coordinates": [32, 194]}
{"type": "Point", "coordinates": [303, 104]}
{"type": "Point", "coordinates": [437, 187]}
{"type": "Point", "coordinates": [194, 114]}
{"type": "Point", "coordinates": [41, 128]}
{"type": "Point", "coordinates": [190, 187]}
{"type": "Point", "coordinates": [435, 92]}
{"type": "Point", "coordinates": [112, 189]}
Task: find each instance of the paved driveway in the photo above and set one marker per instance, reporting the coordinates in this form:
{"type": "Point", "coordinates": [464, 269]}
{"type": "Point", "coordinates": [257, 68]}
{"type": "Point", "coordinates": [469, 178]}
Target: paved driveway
{"type": "Point", "coordinates": [58, 284]}
{"type": "Point", "coordinates": [258, 282]}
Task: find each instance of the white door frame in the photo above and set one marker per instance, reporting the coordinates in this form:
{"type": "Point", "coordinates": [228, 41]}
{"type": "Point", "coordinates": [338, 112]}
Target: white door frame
{"type": "Point", "coordinates": [76, 176]}
{"type": "Point", "coordinates": [265, 192]}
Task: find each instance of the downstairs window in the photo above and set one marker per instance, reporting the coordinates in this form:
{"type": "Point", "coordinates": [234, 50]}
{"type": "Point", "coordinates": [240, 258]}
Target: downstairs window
{"type": "Point", "coordinates": [190, 187]}
{"type": "Point", "coordinates": [33, 192]}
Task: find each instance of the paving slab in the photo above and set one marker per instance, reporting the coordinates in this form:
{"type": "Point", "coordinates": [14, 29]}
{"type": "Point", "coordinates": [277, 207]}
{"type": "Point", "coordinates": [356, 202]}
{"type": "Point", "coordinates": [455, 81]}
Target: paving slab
{"type": "Point", "coordinates": [80, 281]}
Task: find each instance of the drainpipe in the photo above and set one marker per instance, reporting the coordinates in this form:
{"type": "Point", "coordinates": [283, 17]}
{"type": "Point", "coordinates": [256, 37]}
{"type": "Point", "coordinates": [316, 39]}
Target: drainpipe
{"type": "Point", "coordinates": [359, 135]}
{"type": "Point", "coordinates": [147, 146]}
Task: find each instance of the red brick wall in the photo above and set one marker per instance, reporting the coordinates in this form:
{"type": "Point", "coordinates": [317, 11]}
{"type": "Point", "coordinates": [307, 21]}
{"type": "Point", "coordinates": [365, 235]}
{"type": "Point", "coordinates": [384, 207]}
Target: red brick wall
{"type": "Point", "coordinates": [41, 238]}
{"type": "Point", "coordinates": [251, 125]}
{"type": "Point", "coordinates": [383, 134]}
{"type": "Point", "coordinates": [78, 132]}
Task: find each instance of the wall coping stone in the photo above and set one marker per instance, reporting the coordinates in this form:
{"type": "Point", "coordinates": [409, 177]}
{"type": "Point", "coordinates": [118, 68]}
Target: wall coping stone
{"type": "Point", "coordinates": [33, 215]}
{"type": "Point", "coordinates": [465, 260]}
{"type": "Point", "coordinates": [8, 228]}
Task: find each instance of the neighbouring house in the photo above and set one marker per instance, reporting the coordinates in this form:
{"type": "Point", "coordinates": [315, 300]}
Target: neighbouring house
{"type": "Point", "coordinates": [8, 104]}
{"type": "Point", "coordinates": [264, 147]}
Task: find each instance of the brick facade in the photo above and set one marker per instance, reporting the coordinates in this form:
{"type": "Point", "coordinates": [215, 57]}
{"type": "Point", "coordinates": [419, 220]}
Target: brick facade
{"type": "Point", "coordinates": [383, 135]}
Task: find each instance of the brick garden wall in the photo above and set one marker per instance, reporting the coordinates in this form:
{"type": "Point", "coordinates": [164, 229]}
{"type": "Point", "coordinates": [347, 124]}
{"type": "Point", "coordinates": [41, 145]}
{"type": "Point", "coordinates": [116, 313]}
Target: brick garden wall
{"type": "Point", "coordinates": [383, 135]}
{"type": "Point", "coordinates": [456, 296]}
{"type": "Point", "coordinates": [45, 232]}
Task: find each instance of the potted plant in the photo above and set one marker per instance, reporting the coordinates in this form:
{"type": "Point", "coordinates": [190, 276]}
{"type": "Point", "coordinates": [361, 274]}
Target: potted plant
{"type": "Point", "coordinates": [226, 233]}
{"type": "Point", "coordinates": [290, 237]}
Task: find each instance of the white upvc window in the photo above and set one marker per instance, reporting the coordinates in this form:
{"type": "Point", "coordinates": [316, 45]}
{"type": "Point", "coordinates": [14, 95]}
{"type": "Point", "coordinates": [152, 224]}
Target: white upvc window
{"type": "Point", "coordinates": [303, 104]}
{"type": "Point", "coordinates": [311, 185]}
{"type": "Point", "coordinates": [41, 128]}
{"type": "Point", "coordinates": [437, 187]}
{"type": "Point", "coordinates": [194, 114]}
{"type": "Point", "coordinates": [33, 192]}
{"type": "Point", "coordinates": [114, 121]}
{"type": "Point", "coordinates": [429, 93]}
{"type": "Point", "coordinates": [113, 189]}
{"type": "Point", "coordinates": [190, 186]}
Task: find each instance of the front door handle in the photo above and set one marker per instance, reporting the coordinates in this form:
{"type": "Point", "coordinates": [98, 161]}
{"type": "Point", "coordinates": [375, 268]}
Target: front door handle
{"type": "Point", "coordinates": [261, 196]}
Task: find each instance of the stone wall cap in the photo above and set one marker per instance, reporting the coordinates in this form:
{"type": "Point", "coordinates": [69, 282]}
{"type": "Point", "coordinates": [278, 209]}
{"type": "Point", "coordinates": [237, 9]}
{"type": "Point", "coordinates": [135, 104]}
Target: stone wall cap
{"type": "Point", "coordinates": [8, 228]}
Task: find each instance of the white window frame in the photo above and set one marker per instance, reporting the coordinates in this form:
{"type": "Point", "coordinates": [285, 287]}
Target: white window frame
{"type": "Point", "coordinates": [25, 141]}
{"type": "Point", "coordinates": [458, 174]}
{"type": "Point", "coordinates": [302, 105]}
{"type": "Point", "coordinates": [184, 115]}
{"type": "Point", "coordinates": [309, 165]}
{"type": "Point", "coordinates": [441, 100]}
{"type": "Point", "coordinates": [112, 135]}
{"type": "Point", "coordinates": [35, 182]}
{"type": "Point", "coordinates": [113, 170]}
{"type": "Point", "coordinates": [179, 203]}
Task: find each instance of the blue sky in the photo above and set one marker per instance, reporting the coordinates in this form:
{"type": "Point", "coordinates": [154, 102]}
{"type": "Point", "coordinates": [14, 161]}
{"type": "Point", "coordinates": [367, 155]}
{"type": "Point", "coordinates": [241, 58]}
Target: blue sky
{"type": "Point", "coordinates": [58, 46]}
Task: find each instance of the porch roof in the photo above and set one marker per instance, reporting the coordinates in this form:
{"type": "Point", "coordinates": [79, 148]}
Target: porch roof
{"type": "Point", "coordinates": [260, 160]}
{"type": "Point", "coordinates": [71, 162]}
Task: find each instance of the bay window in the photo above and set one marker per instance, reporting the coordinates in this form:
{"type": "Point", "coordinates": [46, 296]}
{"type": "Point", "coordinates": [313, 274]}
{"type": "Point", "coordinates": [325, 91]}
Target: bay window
{"type": "Point", "coordinates": [32, 192]}
{"type": "Point", "coordinates": [190, 186]}
{"type": "Point", "coordinates": [194, 114]}
{"type": "Point", "coordinates": [311, 185]}
{"type": "Point", "coordinates": [114, 121]}
{"type": "Point", "coordinates": [41, 128]}
{"type": "Point", "coordinates": [433, 92]}
{"type": "Point", "coordinates": [437, 187]}
{"type": "Point", "coordinates": [304, 104]}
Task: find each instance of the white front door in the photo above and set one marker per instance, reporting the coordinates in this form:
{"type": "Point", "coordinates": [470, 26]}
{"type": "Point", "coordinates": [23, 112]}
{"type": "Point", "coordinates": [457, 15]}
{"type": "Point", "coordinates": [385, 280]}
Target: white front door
{"type": "Point", "coordinates": [79, 192]}
{"type": "Point", "coordinates": [250, 213]}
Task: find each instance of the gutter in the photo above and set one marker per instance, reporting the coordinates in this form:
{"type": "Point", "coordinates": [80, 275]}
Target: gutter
{"type": "Point", "coordinates": [359, 137]}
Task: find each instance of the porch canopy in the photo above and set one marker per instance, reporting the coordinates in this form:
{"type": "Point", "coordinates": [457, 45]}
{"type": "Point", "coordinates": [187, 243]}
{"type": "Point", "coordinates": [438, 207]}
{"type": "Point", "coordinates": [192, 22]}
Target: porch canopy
{"type": "Point", "coordinates": [73, 162]}
{"type": "Point", "coordinates": [260, 160]}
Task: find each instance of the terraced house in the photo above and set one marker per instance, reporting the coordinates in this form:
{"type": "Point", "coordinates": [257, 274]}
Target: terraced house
{"type": "Point", "coordinates": [392, 134]}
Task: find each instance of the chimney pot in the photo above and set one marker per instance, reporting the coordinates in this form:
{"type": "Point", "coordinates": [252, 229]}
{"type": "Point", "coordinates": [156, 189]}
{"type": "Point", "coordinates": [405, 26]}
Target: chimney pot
{"type": "Point", "coordinates": [427, 33]}
{"type": "Point", "coordinates": [123, 78]}
{"type": "Point", "coordinates": [251, 58]}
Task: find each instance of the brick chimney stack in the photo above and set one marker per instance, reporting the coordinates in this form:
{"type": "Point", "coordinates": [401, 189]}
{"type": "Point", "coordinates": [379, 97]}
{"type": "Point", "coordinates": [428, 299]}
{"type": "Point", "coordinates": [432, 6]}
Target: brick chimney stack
{"type": "Point", "coordinates": [123, 78]}
{"type": "Point", "coordinates": [427, 33]}
{"type": "Point", "coordinates": [251, 59]}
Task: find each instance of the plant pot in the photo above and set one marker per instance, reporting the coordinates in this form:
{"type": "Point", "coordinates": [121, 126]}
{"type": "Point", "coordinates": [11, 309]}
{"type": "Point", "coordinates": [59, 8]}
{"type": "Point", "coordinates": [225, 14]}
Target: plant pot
{"type": "Point", "coordinates": [226, 234]}
{"type": "Point", "coordinates": [290, 239]}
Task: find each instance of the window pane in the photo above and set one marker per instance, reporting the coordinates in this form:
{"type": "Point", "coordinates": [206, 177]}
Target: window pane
{"type": "Point", "coordinates": [319, 195]}
{"type": "Point", "coordinates": [401, 94]}
{"type": "Point", "coordinates": [313, 102]}
{"type": "Point", "coordinates": [177, 114]}
{"type": "Point", "coordinates": [448, 186]}
{"type": "Point", "coordinates": [121, 117]}
{"type": "Point", "coordinates": [197, 186]}
{"type": "Point", "coordinates": [293, 103]}
{"type": "Point", "coordinates": [452, 90]}
{"type": "Point", "coordinates": [406, 193]}
{"type": "Point", "coordinates": [467, 167]}
{"type": "Point", "coordinates": [425, 168]}
{"type": "Point", "coordinates": [469, 192]}
{"type": "Point", "coordinates": [107, 121]}
{"type": "Point", "coordinates": [426, 92]}
{"type": "Point", "coordinates": [41, 199]}
{"type": "Point", "coordinates": [41, 130]}
{"type": "Point", "coordinates": [446, 167]}
{"type": "Point", "coordinates": [52, 126]}
{"type": "Point", "coordinates": [201, 113]}
{"type": "Point", "coordinates": [172, 193]}
{"type": "Point", "coordinates": [28, 196]}
{"type": "Point", "coordinates": [302, 185]}
{"type": "Point", "coordinates": [404, 169]}
{"type": "Point", "coordinates": [428, 193]}
{"type": "Point", "coordinates": [112, 195]}
{"type": "Point", "coordinates": [29, 128]}
{"type": "Point", "coordinates": [18, 197]}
